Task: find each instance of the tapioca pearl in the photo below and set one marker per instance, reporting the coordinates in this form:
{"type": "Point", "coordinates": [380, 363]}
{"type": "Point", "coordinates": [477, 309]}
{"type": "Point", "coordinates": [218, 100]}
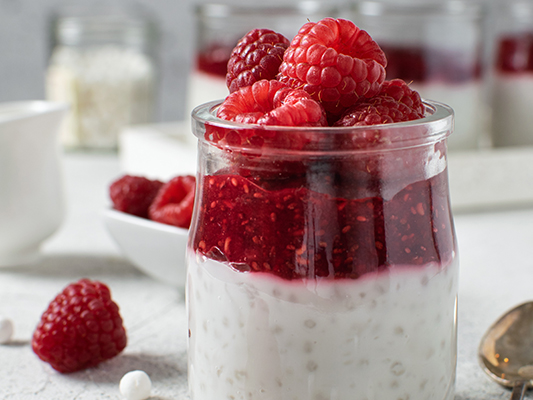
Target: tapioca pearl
{"type": "Point", "coordinates": [135, 385]}
{"type": "Point", "coordinates": [240, 375]}
{"type": "Point", "coordinates": [308, 347]}
{"type": "Point", "coordinates": [311, 366]}
{"type": "Point", "coordinates": [430, 353]}
{"type": "Point", "coordinates": [277, 330]}
{"type": "Point", "coordinates": [397, 368]}
{"type": "Point", "coordinates": [309, 323]}
{"type": "Point", "coordinates": [399, 331]}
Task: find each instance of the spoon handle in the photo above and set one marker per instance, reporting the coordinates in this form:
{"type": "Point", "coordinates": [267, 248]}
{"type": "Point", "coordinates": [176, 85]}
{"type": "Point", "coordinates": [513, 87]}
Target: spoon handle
{"type": "Point", "coordinates": [519, 390]}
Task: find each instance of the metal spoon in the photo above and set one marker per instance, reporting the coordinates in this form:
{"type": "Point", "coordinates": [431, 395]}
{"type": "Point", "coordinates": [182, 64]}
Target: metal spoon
{"type": "Point", "coordinates": [506, 350]}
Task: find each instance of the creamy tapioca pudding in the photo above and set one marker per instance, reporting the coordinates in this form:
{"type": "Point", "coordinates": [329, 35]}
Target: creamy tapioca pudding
{"type": "Point", "coordinates": [384, 336]}
{"type": "Point", "coordinates": [512, 90]}
{"type": "Point", "coordinates": [453, 78]}
{"type": "Point", "coordinates": [207, 80]}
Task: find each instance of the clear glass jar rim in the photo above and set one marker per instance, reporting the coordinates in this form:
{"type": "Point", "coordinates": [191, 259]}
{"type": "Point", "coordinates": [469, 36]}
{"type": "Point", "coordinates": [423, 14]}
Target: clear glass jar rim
{"type": "Point", "coordinates": [434, 127]}
{"type": "Point", "coordinates": [304, 7]}
{"type": "Point", "coordinates": [473, 8]}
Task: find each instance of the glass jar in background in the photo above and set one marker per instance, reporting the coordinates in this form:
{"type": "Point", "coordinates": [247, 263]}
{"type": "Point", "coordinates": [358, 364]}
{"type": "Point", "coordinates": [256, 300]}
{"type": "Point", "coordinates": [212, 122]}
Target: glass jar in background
{"type": "Point", "coordinates": [512, 74]}
{"type": "Point", "coordinates": [220, 26]}
{"type": "Point", "coordinates": [321, 267]}
{"type": "Point", "coordinates": [103, 65]}
{"type": "Point", "coordinates": [439, 48]}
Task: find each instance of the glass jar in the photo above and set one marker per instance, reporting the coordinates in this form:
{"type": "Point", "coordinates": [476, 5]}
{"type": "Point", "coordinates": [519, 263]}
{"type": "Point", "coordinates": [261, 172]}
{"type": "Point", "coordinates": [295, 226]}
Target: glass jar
{"type": "Point", "coordinates": [322, 262]}
{"type": "Point", "coordinates": [218, 28]}
{"type": "Point", "coordinates": [102, 65]}
{"type": "Point", "coordinates": [512, 73]}
{"type": "Point", "coordinates": [440, 49]}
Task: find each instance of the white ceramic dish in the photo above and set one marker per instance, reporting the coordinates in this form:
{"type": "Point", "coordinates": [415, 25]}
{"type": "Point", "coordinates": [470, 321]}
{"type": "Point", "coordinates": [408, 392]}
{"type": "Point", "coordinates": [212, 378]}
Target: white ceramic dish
{"type": "Point", "coordinates": [156, 249]}
{"type": "Point", "coordinates": [31, 181]}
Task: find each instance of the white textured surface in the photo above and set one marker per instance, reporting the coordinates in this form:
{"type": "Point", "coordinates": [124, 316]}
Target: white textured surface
{"type": "Point", "coordinates": [496, 274]}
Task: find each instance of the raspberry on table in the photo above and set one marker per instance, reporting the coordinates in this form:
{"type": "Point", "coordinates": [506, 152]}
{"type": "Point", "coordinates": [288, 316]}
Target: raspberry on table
{"type": "Point", "coordinates": [334, 61]}
{"type": "Point", "coordinates": [257, 56]}
{"type": "Point", "coordinates": [133, 194]}
{"type": "Point", "coordinates": [80, 328]}
{"type": "Point", "coordinates": [396, 102]}
{"type": "Point", "coordinates": [174, 202]}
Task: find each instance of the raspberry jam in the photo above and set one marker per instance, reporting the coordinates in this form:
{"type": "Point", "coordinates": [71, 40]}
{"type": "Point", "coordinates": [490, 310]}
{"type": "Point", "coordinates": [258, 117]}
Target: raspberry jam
{"type": "Point", "coordinates": [296, 232]}
{"type": "Point", "coordinates": [322, 262]}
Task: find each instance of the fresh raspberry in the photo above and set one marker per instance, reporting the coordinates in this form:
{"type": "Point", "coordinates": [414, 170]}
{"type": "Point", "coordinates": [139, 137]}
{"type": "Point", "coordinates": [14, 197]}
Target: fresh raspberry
{"type": "Point", "coordinates": [396, 102]}
{"type": "Point", "coordinates": [133, 194]}
{"type": "Point", "coordinates": [272, 103]}
{"type": "Point", "coordinates": [81, 328]}
{"type": "Point", "coordinates": [257, 56]}
{"type": "Point", "coordinates": [334, 61]}
{"type": "Point", "coordinates": [174, 202]}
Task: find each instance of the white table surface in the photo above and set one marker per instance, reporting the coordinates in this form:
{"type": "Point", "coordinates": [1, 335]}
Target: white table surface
{"type": "Point", "coordinates": [496, 274]}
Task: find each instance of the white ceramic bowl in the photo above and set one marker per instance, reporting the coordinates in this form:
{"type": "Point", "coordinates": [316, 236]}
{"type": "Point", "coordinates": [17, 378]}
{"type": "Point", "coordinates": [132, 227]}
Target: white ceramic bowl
{"type": "Point", "coordinates": [156, 249]}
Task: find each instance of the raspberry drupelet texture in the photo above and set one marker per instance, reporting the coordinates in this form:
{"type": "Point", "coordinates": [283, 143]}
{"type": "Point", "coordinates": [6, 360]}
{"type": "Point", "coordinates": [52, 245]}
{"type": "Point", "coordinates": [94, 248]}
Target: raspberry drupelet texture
{"type": "Point", "coordinates": [396, 102]}
{"type": "Point", "coordinates": [334, 61]}
{"type": "Point", "coordinates": [257, 56]}
{"type": "Point", "coordinates": [174, 202]}
{"type": "Point", "coordinates": [80, 328]}
{"type": "Point", "coordinates": [133, 194]}
{"type": "Point", "coordinates": [272, 103]}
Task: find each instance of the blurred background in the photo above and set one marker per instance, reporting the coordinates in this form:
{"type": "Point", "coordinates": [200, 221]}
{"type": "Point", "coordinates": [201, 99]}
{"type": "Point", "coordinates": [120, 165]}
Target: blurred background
{"type": "Point", "coordinates": [26, 45]}
{"type": "Point", "coordinates": [135, 63]}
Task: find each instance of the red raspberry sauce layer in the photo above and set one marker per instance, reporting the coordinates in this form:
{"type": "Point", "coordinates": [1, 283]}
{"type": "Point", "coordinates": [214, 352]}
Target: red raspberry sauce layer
{"type": "Point", "coordinates": [294, 232]}
{"type": "Point", "coordinates": [515, 54]}
{"type": "Point", "coordinates": [214, 59]}
{"type": "Point", "coordinates": [422, 65]}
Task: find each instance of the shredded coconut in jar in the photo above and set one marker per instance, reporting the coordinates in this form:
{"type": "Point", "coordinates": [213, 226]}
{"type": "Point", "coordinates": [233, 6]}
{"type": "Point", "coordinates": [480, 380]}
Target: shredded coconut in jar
{"type": "Point", "coordinates": [107, 87]}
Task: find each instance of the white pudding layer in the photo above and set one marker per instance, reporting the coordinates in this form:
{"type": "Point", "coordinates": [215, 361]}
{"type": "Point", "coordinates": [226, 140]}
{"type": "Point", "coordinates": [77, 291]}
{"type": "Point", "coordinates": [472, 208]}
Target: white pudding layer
{"type": "Point", "coordinates": [204, 88]}
{"type": "Point", "coordinates": [386, 336]}
{"type": "Point", "coordinates": [467, 101]}
{"type": "Point", "coordinates": [512, 115]}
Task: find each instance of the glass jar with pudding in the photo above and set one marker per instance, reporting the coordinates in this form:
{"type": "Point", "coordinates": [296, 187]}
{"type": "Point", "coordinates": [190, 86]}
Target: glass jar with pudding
{"type": "Point", "coordinates": [320, 265]}
{"type": "Point", "coordinates": [440, 49]}
{"type": "Point", "coordinates": [512, 74]}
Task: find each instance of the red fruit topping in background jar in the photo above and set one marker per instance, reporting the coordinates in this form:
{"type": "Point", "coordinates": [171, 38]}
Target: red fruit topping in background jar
{"type": "Point", "coordinates": [257, 56]}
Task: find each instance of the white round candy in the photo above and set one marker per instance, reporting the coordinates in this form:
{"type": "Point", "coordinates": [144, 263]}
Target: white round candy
{"type": "Point", "coordinates": [6, 330]}
{"type": "Point", "coordinates": [136, 385]}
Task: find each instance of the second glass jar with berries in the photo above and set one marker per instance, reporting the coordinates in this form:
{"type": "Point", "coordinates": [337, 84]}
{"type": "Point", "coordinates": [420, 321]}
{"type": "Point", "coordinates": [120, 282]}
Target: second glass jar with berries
{"type": "Point", "coordinates": [322, 261]}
